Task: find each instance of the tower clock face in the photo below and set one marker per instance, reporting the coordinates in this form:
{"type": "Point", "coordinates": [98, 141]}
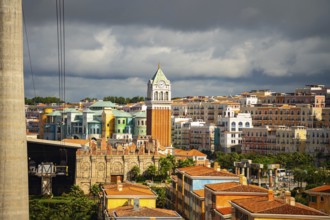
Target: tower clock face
{"type": "Point", "coordinates": [161, 84]}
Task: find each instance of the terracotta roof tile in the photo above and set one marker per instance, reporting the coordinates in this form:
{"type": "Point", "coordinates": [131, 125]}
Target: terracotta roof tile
{"type": "Point", "coordinates": [324, 188]}
{"type": "Point", "coordinates": [128, 189]}
{"type": "Point", "coordinates": [76, 141]}
{"type": "Point", "coordinates": [224, 210]}
{"type": "Point", "coordinates": [200, 192]}
{"type": "Point", "coordinates": [145, 212]}
{"type": "Point", "coordinates": [188, 153]}
{"type": "Point", "coordinates": [205, 171]}
{"type": "Point", "coordinates": [276, 206]}
{"type": "Point", "coordinates": [235, 187]}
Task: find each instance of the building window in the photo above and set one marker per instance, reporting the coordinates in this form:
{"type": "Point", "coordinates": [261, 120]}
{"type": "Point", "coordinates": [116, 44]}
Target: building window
{"type": "Point", "coordinates": [118, 121]}
{"type": "Point", "coordinates": [312, 198]}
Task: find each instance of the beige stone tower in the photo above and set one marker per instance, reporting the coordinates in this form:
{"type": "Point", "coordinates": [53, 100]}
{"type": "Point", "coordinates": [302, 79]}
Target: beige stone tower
{"type": "Point", "coordinates": [14, 203]}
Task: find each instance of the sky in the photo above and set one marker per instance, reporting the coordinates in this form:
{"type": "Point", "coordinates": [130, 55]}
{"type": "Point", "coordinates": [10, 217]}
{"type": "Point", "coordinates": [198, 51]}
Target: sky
{"type": "Point", "coordinates": [204, 47]}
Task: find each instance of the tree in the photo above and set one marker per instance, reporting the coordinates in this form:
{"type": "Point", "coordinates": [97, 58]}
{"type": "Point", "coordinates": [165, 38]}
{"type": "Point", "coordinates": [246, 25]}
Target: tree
{"type": "Point", "coordinates": [135, 172]}
{"type": "Point", "coordinates": [161, 198]}
{"type": "Point", "coordinates": [95, 189]}
{"type": "Point", "coordinates": [151, 172]}
{"type": "Point", "coordinates": [186, 163]}
{"type": "Point", "coordinates": [165, 167]}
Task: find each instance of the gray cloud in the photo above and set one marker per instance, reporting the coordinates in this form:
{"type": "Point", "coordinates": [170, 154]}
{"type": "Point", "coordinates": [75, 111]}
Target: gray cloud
{"type": "Point", "coordinates": [217, 46]}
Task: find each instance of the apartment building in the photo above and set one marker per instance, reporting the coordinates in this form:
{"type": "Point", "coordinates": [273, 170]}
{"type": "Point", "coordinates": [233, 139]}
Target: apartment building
{"type": "Point", "coordinates": [218, 196]}
{"type": "Point", "coordinates": [273, 139]}
{"type": "Point", "coordinates": [319, 198]}
{"type": "Point", "coordinates": [287, 115]}
{"type": "Point", "coordinates": [179, 132]}
{"type": "Point", "coordinates": [125, 200]}
{"type": "Point", "coordinates": [273, 208]}
{"type": "Point", "coordinates": [317, 101]}
{"type": "Point", "coordinates": [90, 124]}
{"type": "Point", "coordinates": [188, 134]}
{"type": "Point", "coordinates": [316, 89]}
{"type": "Point", "coordinates": [204, 110]}
{"type": "Point", "coordinates": [230, 127]}
{"type": "Point", "coordinates": [194, 178]}
{"type": "Point", "coordinates": [198, 157]}
{"type": "Point", "coordinates": [318, 141]}
{"type": "Point", "coordinates": [198, 204]}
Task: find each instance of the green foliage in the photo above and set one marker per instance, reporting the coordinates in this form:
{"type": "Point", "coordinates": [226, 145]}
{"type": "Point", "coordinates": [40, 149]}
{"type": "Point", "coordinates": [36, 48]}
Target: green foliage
{"type": "Point", "coordinates": [88, 99]}
{"type": "Point", "coordinates": [95, 189]}
{"type": "Point", "coordinates": [161, 199]}
{"type": "Point", "coordinates": [121, 100]}
{"type": "Point", "coordinates": [186, 163]}
{"type": "Point", "coordinates": [166, 165]}
{"type": "Point", "coordinates": [289, 161]}
{"type": "Point", "coordinates": [151, 172]}
{"type": "Point", "coordinates": [63, 209]}
{"type": "Point", "coordinates": [45, 100]}
{"type": "Point", "coordinates": [134, 172]}
{"type": "Point", "coordinates": [75, 191]}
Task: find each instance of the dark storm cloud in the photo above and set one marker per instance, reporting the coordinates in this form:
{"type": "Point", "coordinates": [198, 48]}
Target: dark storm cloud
{"type": "Point", "coordinates": [297, 18]}
{"type": "Point", "coordinates": [204, 47]}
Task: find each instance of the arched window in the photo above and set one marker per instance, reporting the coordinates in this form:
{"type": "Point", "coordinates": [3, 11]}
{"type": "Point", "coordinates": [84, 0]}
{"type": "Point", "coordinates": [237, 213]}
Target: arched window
{"type": "Point", "coordinates": [240, 126]}
{"type": "Point", "coordinates": [166, 96]}
{"type": "Point", "coordinates": [233, 126]}
{"type": "Point", "coordinates": [156, 96]}
{"type": "Point", "coordinates": [161, 96]}
{"type": "Point", "coordinates": [247, 124]}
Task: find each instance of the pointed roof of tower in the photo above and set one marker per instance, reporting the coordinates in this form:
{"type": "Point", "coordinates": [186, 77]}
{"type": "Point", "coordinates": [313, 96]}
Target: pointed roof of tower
{"type": "Point", "coordinates": [159, 75]}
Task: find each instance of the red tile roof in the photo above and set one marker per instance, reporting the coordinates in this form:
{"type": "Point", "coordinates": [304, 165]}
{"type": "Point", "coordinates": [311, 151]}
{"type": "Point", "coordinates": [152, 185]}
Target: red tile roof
{"type": "Point", "coordinates": [224, 210]}
{"type": "Point", "coordinates": [323, 189]}
{"type": "Point", "coordinates": [199, 192]}
{"type": "Point", "coordinates": [276, 206]}
{"type": "Point", "coordinates": [235, 187]}
{"type": "Point", "coordinates": [188, 153]}
{"type": "Point", "coordinates": [145, 212]}
{"type": "Point", "coordinates": [128, 189]}
{"type": "Point", "coordinates": [205, 171]}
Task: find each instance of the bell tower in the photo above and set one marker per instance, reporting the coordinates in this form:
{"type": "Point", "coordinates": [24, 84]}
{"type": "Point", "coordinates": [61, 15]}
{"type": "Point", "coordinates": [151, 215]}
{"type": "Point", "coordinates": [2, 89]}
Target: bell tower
{"type": "Point", "coordinates": [159, 108]}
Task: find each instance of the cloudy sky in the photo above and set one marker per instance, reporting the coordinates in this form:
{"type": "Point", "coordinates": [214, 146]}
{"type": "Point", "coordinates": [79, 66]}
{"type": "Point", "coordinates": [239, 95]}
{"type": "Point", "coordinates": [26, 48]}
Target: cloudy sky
{"type": "Point", "coordinates": [204, 47]}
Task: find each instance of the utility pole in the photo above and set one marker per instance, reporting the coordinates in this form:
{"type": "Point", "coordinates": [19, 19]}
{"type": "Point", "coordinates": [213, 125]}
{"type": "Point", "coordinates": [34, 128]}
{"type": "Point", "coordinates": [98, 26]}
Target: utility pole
{"type": "Point", "coordinates": [14, 202]}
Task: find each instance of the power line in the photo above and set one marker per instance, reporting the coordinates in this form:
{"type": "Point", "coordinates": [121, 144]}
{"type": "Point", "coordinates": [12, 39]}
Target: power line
{"type": "Point", "coordinates": [60, 21]}
{"type": "Point", "coordinates": [29, 54]}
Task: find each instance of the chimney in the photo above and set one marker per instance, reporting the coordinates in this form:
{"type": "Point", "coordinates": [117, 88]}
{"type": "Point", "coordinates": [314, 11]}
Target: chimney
{"type": "Point", "coordinates": [136, 204]}
{"type": "Point", "coordinates": [270, 195]}
{"type": "Point", "coordinates": [119, 184]}
{"type": "Point", "coordinates": [215, 166]}
{"type": "Point", "coordinates": [287, 196]}
{"type": "Point", "coordinates": [292, 201]}
{"type": "Point", "coordinates": [242, 179]}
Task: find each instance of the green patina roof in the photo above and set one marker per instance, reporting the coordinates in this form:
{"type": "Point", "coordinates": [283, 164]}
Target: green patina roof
{"type": "Point", "coordinates": [141, 114]}
{"type": "Point", "coordinates": [98, 113]}
{"type": "Point", "coordinates": [159, 75]}
{"type": "Point", "coordinates": [103, 104]}
{"type": "Point", "coordinates": [120, 113]}
{"type": "Point", "coordinates": [55, 113]}
{"type": "Point", "coordinates": [95, 121]}
{"type": "Point", "coordinates": [88, 110]}
{"type": "Point", "coordinates": [70, 110]}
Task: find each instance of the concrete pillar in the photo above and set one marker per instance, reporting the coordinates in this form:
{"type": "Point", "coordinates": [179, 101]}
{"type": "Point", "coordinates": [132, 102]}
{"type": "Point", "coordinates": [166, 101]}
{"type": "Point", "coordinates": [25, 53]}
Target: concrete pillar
{"type": "Point", "coordinates": [270, 179]}
{"type": "Point", "coordinates": [259, 177]}
{"type": "Point", "coordinates": [14, 203]}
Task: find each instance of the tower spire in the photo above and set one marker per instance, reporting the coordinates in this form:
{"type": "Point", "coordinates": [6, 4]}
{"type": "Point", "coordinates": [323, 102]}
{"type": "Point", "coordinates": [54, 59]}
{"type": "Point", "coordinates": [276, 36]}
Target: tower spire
{"type": "Point", "coordinates": [158, 65]}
